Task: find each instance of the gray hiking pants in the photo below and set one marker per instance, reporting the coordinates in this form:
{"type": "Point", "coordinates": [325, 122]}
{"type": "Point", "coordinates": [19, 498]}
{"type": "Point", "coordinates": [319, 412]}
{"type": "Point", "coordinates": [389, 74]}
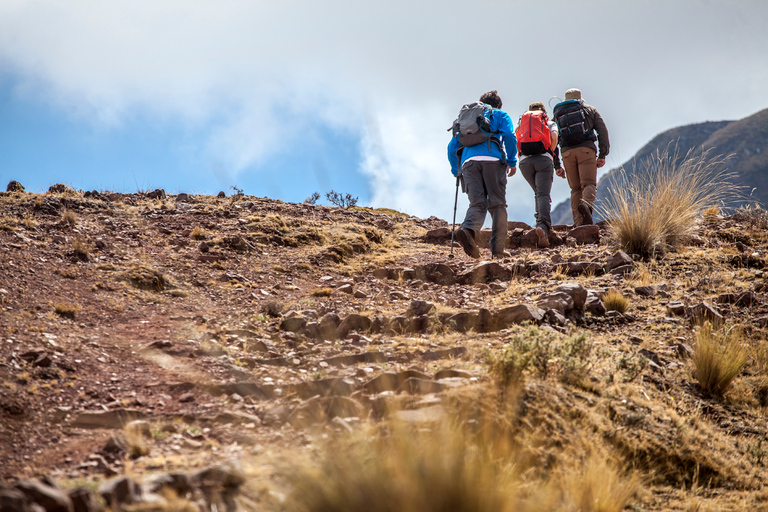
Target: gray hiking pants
{"type": "Point", "coordinates": [486, 185]}
{"type": "Point", "coordinates": [538, 171]}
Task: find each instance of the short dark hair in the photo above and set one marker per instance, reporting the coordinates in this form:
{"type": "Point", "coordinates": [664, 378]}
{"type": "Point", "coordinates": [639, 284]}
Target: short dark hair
{"type": "Point", "coordinates": [491, 98]}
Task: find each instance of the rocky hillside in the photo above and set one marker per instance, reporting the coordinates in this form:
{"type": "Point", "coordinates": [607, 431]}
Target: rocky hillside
{"type": "Point", "coordinates": [185, 352]}
{"type": "Point", "coordinates": [746, 141]}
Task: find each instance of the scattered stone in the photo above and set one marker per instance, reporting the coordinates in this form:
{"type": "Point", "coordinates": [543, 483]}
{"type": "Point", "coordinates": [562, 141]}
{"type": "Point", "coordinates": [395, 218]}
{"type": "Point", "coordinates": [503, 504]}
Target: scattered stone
{"type": "Point", "coordinates": [183, 198]}
{"type": "Point", "coordinates": [420, 307]}
{"type": "Point", "coordinates": [676, 308]}
{"type": "Point", "coordinates": [594, 304]}
{"type": "Point", "coordinates": [221, 195]}
{"type": "Point", "coordinates": [619, 259]}
{"type": "Point", "coordinates": [646, 291]}
{"type": "Point", "coordinates": [345, 288]}
{"type": "Point", "coordinates": [683, 350]}
{"type": "Point", "coordinates": [437, 236]}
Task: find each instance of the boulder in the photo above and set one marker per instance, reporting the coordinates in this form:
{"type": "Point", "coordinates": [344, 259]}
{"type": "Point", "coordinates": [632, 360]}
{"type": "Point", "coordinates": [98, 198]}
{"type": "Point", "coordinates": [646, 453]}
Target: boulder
{"type": "Point", "coordinates": [586, 234]}
{"type": "Point", "coordinates": [576, 291]}
{"type": "Point", "coordinates": [328, 325]}
{"type": "Point", "coordinates": [517, 315]}
{"type": "Point", "coordinates": [558, 301]}
{"type": "Point", "coordinates": [353, 322]}
{"type": "Point", "coordinates": [618, 259]}
{"type": "Point", "coordinates": [594, 304]}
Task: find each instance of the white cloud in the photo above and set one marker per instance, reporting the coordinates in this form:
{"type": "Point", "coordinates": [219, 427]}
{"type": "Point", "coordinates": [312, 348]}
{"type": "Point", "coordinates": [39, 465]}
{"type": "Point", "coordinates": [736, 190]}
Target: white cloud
{"type": "Point", "coordinates": [391, 73]}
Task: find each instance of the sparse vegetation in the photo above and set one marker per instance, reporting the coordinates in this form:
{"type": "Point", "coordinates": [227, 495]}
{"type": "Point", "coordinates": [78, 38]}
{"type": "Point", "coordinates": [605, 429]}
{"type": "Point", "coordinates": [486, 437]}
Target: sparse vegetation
{"type": "Point", "coordinates": [718, 357]}
{"type": "Point", "coordinates": [615, 301]}
{"type": "Point", "coordinates": [656, 209]}
{"type": "Point", "coordinates": [198, 233]}
{"type": "Point", "coordinates": [66, 310]}
{"type": "Point", "coordinates": [312, 199]}
{"type": "Point", "coordinates": [69, 217]}
{"type": "Point", "coordinates": [341, 200]}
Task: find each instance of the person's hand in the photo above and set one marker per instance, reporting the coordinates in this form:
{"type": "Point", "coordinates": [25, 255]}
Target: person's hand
{"type": "Point", "coordinates": [600, 162]}
{"type": "Point", "coordinates": [511, 171]}
{"type": "Point", "coordinates": [560, 172]}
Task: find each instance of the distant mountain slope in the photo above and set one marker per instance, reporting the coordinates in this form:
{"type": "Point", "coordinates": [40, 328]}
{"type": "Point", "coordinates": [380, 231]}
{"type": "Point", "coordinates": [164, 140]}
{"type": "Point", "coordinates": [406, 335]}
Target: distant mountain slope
{"type": "Point", "coordinates": [746, 140]}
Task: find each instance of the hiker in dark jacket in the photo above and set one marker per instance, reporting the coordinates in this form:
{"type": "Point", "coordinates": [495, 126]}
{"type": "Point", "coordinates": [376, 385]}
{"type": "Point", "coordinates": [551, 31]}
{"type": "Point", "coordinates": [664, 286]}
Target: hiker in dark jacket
{"type": "Point", "coordinates": [577, 123]}
{"type": "Point", "coordinates": [484, 169]}
{"type": "Point", "coordinates": [538, 167]}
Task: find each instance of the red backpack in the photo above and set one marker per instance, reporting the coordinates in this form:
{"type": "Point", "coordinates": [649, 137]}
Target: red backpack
{"type": "Point", "coordinates": [533, 136]}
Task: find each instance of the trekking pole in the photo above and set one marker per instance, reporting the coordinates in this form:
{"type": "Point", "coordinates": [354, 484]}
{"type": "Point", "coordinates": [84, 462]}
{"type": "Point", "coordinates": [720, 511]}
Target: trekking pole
{"type": "Point", "coordinates": [453, 226]}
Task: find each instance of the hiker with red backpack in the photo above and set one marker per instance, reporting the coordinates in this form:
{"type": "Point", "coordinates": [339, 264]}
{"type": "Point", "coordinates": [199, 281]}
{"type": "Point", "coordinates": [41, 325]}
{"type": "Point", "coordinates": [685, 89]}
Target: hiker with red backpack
{"type": "Point", "coordinates": [482, 153]}
{"type": "Point", "coordinates": [539, 156]}
{"type": "Point", "coordinates": [577, 123]}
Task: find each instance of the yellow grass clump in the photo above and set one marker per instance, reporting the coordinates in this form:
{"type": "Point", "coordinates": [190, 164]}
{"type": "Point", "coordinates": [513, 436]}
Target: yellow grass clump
{"type": "Point", "coordinates": [718, 357]}
{"type": "Point", "coordinates": [657, 207]}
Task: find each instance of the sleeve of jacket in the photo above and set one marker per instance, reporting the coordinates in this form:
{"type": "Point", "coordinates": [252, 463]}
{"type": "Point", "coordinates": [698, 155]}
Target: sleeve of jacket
{"type": "Point", "coordinates": [506, 129]}
{"type": "Point", "coordinates": [603, 142]}
{"type": "Point", "coordinates": [453, 158]}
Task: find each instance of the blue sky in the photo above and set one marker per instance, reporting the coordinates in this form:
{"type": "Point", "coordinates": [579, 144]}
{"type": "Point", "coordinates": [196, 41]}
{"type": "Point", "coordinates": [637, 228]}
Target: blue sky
{"type": "Point", "coordinates": [282, 99]}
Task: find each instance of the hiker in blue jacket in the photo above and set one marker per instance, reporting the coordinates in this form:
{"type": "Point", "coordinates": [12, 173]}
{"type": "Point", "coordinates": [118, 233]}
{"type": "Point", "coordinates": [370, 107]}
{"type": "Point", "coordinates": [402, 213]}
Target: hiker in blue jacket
{"type": "Point", "coordinates": [484, 169]}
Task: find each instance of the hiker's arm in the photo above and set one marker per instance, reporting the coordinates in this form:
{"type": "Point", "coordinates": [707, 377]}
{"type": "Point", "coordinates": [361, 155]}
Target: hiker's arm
{"type": "Point", "coordinates": [602, 136]}
{"type": "Point", "coordinates": [453, 158]}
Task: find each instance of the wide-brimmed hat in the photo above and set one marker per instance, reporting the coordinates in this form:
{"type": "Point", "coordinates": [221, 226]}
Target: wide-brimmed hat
{"type": "Point", "coordinates": [572, 94]}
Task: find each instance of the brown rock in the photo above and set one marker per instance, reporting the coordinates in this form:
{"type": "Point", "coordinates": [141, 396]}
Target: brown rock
{"type": "Point", "coordinates": [587, 234]}
{"type": "Point", "coordinates": [618, 259]}
{"type": "Point", "coordinates": [576, 291]}
{"type": "Point", "coordinates": [517, 315]}
{"type": "Point", "coordinates": [704, 312]}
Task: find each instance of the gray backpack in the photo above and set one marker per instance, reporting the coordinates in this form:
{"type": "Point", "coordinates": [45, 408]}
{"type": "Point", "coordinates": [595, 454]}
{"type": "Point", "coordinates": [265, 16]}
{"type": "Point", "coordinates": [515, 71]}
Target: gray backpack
{"type": "Point", "coordinates": [473, 126]}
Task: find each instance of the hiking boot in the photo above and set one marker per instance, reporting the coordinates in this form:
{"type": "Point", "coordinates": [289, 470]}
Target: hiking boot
{"type": "Point", "coordinates": [467, 242]}
{"type": "Point", "coordinates": [543, 241]}
{"type": "Point", "coordinates": [586, 213]}
{"type": "Point", "coordinates": [500, 255]}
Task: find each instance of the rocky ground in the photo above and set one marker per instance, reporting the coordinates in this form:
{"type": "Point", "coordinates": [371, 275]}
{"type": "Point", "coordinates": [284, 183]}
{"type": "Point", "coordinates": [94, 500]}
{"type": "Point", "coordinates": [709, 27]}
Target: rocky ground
{"type": "Point", "coordinates": [232, 333]}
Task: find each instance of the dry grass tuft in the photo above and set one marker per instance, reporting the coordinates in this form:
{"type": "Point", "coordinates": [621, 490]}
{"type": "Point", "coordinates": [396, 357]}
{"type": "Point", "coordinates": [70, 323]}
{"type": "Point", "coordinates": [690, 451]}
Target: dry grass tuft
{"type": "Point", "coordinates": [656, 209]}
{"type": "Point", "coordinates": [69, 217]}
{"type": "Point", "coordinates": [198, 233]}
{"type": "Point", "coordinates": [442, 465]}
{"type": "Point", "coordinates": [615, 301]}
{"type": "Point", "coordinates": [322, 292]}
{"type": "Point", "coordinates": [718, 357]}
{"type": "Point", "coordinates": [81, 247]}
{"type": "Point", "coordinates": [66, 310]}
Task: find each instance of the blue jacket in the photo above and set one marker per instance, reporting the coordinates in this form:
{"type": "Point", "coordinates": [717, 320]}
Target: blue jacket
{"type": "Point", "coordinates": [502, 128]}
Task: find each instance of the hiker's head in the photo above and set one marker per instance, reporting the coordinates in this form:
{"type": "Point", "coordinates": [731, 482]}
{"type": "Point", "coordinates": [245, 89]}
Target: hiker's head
{"type": "Point", "coordinates": [537, 105]}
{"type": "Point", "coordinates": [491, 98]}
{"type": "Point", "coordinates": [572, 94]}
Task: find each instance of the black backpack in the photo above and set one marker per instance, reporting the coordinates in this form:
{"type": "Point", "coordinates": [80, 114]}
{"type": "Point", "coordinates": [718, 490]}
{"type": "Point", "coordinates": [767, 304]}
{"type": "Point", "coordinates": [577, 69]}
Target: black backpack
{"type": "Point", "coordinates": [572, 123]}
